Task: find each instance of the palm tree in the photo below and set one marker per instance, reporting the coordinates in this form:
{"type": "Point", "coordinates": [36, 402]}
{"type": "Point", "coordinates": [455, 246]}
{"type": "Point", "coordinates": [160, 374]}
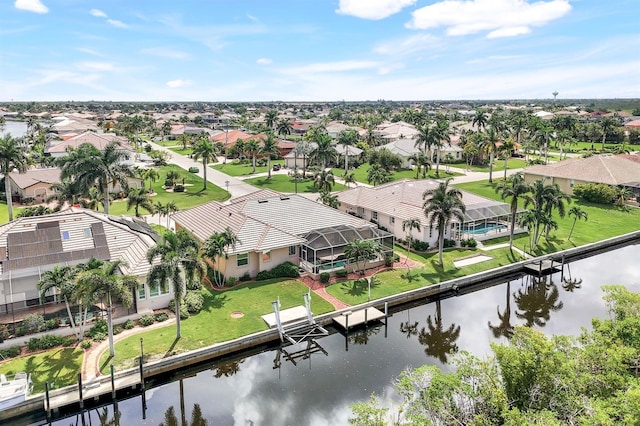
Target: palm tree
{"type": "Point", "coordinates": [140, 197]}
{"type": "Point", "coordinates": [426, 138]}
{"type": "Point", "coordinates": [442, 136]}
{"type": "Point", "coordinates": [377, 175]}
{"type": "Point", "coordinates": [328, 199]}
{"type": "Point", "coordinates": [577, 214]}
{"type": "Point", "coordinates": [506, 149]}
{"type": "Point", "coordinates": [89, 167]}
{"type": "Point", "coordinates": [542, 136]}
{"type": "Point", "coordinates": [217, 247]}
{"type": "Point", "coordinates": [408, 225]}
{"type": "Point", "coordinates": [176, 255]}
{"type": "Point", "coordinates": [93, 199]}
{"type": "Point", "coordinates": [606, 124]}
{"type": "Point", "coordinates": [362, 251]}
{"type": "Point", "coordinates": [270, 118]}
{"type": "Point", "coordinates": [151, 175]}
{"type": "Point", "coordinates": [283, 127]}
{"type": "Point", "coordinates": [349, 178]}
{"type": "Point", "coordinates": [62, 279]}
{"type": "Point", "coordinates": [324, 180]}
{"type": "Point", "coordinates": [480, 119]}
{"type": "Point", "coordinates": [324, 152]}
{"type": "Point", "coordinates": [105, 281]}
{"type": "Point", "coordinates": [347, 138]}
{"type": "Point", "coordinates": [269, 148]}
{"type": "Point", "coordinates": [554, 199]}
{"type": "Point", "coordinates": [489, 144]}
{"type": "Point", "coordinates": [441, 205]}
{"type": "Point", "coordinates": [206, 150]}
{"type": "Point", "coordinates": [514, 188]}
{"type": "Point", "coordinates": [170, 207]}
{"type": "Point", "coordinates": [252, 148]}
{"type": "Point", "coordinates": [12, 156]}
{"type": "Point", "coordinates": [65, 191]}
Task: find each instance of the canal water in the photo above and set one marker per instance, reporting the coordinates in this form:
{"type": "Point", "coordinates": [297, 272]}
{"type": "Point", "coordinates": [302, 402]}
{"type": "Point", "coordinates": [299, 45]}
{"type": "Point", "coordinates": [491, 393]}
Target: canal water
{"type": "Point", "coordinates": [269, 389]}
{"type": "Point", "coordinates": [17, 129]}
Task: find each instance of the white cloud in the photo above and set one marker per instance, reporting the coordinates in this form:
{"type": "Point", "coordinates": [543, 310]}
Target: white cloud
{"type": "Point", "coordinates": [164, 52]}
{"type": "Point", "coordinates": [263, 61]}
{"type": "Point", "coordinates": [339, 66]}
{"type": "Point", "coordinates": [178, 83]}
{"type": "Point", "coordinates": [98, 13]}
{"type": "Point", "coordinates": [117, 23]}
{"type": "Point", "coordinates": [35, 6]}
{"type": "Point", "coordinates": [502, 18]}
{"type": "Point", "coordinates": [372, 9]}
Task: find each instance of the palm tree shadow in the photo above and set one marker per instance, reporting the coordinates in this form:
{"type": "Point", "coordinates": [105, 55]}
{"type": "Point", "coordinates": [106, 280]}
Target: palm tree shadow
{"type": "Point", "coordinates": [105, 363]}
{"type": "Point", "coordinates": [173, 345]}
{"type": "Point", "coordinates": [216, 301]}
{"type": "Point", "coordinates": [354, 288]}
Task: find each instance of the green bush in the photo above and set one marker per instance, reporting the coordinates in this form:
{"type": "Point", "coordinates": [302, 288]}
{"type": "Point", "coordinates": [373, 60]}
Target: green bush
{"type": "Point", "coordinates": [178, 188]}
{"type": "Point", "coordinates": [4, 332]}
{"type": "Point", "coordinates": [324, 277]}
{"type": "Point", "coordinates": [193, 301]}
{"type": "Point", "coordinates": [472, 243]}
{"type": "Point", "coordinates": [162, 316]}
{"type": "Point", "coordinates": [128, 325]}
{"type": "Point", "coordinates": [48, 341]}
{"type": "Point", "coordinates": [10, 352]}
{"type": "Point", "coordinates": [117, 329]}
{"type": "Point", "coordinates": [193, 170]}
{"type": "Point", "coordinates": [598, 193]}
{"type": "Point", "coordinates": [33, 323]}
{"type": "Point", "coordinates": [342, 273]}
{"type": "Point", "coordinates": [284, 270]}
{"type": "Point", "coordinates": [99, 328]}
{"type": "Point", "coordinates": [418, 245]}
{"type": "Point", "coordinates": [388, 260]}
{"type": "Point", "coordinates": [51, 324]}
{"type": "Point", "coordinates": [245, 277]}
{"type": "Point", "coordinates": [86, 344]}
{"type": "Point", "coordinates": [184, 313]}
{"type": "Point", "coordinates": [147, 320]}
{"type": "Point", "coordinates": [449, 243]}
{"type": "Point", "coordinates": [99, 336]}
{"type": "Point", "coordinates": [231, 281]}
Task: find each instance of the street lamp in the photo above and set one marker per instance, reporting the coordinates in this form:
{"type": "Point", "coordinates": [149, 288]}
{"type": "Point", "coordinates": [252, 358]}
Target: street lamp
{"type": "Point", "coordinates": [226, 182]}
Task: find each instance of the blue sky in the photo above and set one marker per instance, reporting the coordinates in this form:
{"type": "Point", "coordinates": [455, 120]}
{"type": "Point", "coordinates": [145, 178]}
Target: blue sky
{"type": "Point", "coordinates": [316, 50]}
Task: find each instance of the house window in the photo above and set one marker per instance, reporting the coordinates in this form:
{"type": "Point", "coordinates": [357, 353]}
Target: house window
{"type": "Point", "coordinates": [374, 216]}
{"type": "Point", "coordinates": [158, 290]}
{"type": "Point", "coordinates": [87, 232]}
{"type": "Point", "coordinates": [572, 183]}
{"type": "Point", "coordinates": [392, 220]}
{"type": "Point", "coordinates": [65, 235]}
{"type": "Point", "coordinates": [242, 259]}
{"type": "Point", "coordinates": [142, 292]}
{"type": "Point", "coordinates": [292, 250]}
{"type": "Point", "coordinates": [266, 256]}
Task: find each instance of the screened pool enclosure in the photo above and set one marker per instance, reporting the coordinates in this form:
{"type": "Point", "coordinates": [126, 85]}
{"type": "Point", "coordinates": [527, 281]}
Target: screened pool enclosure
{"type": "Point", "coordinates": [324, 249]}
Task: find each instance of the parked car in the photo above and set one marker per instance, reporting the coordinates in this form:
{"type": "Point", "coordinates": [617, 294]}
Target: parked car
{"type": "Point", "coordinates": [276, 167]}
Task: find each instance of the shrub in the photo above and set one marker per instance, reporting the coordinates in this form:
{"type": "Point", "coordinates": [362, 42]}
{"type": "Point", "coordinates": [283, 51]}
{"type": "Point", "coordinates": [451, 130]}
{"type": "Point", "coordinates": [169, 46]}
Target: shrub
{"type": "Point", "coordinates": [148, 148]}
{"type": "Point", "coordinates": [231, 281]}
{"type": "Point", "coordinates": [10, 352]}
{"type": "Point", "coordinates": [128, 325]}
{"type": "Point", "coordinates": [86, 344]}
{"type": "Point", "coordinates": [245, 277]}
{"type": "Point", "coordinates": [184, 313]}
{"type": "Point", "coordinates": [178, 188]}
{"type": "Point", "coordinates": [99, 328]}
{"type": "Point", "coordinates": [324, 277]}
{"type": "Point", "coordinates": [595, 193]}
{"type": "Point", "coordinates": [284, 270]}
{"type": "Point", "coordinates": [472, 243]}
{"type": "Point", "coordinates": [4, 332]}
{"type": "Point", "coordinates": [396, 257]}
{"type": "Point", "coordinates": [342, 273]}
{"type": "Point", "coordinates": [388, 260]}
{"type": "Point", "coordinates": [463, 243]}
{"type": "Point", "coordinates": [193, 170]}
{"type": "Point", "coordinates": [161, 316]}
{"type": "Point", "coordinates": [449, 243]}
{"type": "Point", "coordinates": [48, 341]}
{"type": "Point", "coordinates": [193, 301]}
{"type": "Point", "coordinates": [51, 324]}
{"type": "Point", "coordinates": [418, 245]}
{"type": "Point", "coordinates": [169, 183]}
{"type": "Point", "coordinates": [117, 330]}
{"type": "Point", "coordinates": [99, 337]}
{"type": "Point", "coordinates": [147, 320]}
{"type": "Point", "coordinates": [33, 323]}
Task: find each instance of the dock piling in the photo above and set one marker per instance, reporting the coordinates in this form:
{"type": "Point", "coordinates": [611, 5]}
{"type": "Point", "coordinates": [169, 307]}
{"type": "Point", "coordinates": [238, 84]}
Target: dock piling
{"type": "Point", "coordinates": [113, 384]}
{"type": "Point", "coordinates": [81, 400]}
{"type": "Point", "coordinates": [46, 399]}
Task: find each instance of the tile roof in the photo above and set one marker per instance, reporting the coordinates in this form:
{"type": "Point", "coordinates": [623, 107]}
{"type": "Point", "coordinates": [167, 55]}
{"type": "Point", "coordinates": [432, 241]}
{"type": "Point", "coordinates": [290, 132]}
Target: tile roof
{"type": "Point", "coordinates": [263, 221]}
{"type": "Point", "coordinates": [34, 176]}
{"type": "Point", "coordinates": [607, 168]}
{"type": "Point", "coordinates": [99, 140]}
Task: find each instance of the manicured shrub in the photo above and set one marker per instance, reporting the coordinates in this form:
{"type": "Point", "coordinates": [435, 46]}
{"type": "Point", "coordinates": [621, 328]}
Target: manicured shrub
{"type": "Point", "coordinates": [342, 273]}
{"type": "Point", "coordinates": [48, 341]}
{"type": "Point", "coordinates": [231, 281]}
{"type": "Point", "coordinates": [284, 270]}
{"type": "Point", "coordinates": [193, 301]}
{"type": "Point", "coordinates": [418, 245]}
{"type": "Point", "coordinates": [128, 325]}
{"type": "Point", "coordinates": [161, 316]}
{"type": "Point", "coordinates": [4, 332]}
{"type": "Point", "coordinates": [324, 277]}
{"type": "Point", "coordinates": [245, 277]}
{"type": "Point", "coordinates": [388, 260]}
{"type": "Point", "coordinates": [86, 344]}
{"type": "Point", "coordinates": [51, 324]}
{"type": "Point", "coordinates": [117, 330]}
{"type": "Point", "coordinates": [184, 313]}
{"type": "Point", "coordinates": [193, 170]}
{"type": "Point", "coordinates": [10, 352]}
{"type": "Point", "coordinates": [598, 193]}
{"type": "Point", "coordinates": [178, 188]}
{"type": "Point", "coordinates": [99, 328]}
{"type": "Point", "coordinates": [99, 337]}
{"type": "Point", "coordinates": [147, 320]}
{"type": "Point", "coordinates": [33, 323]}
{"type": "Point", "coordinates": [449, 243]}
{"type": "Point", "coordinates": [396, 257]}
{"type": "Point", "coordinates": [472, 243]}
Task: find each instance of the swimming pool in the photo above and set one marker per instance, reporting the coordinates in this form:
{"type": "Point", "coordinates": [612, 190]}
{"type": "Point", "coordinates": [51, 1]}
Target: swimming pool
{"type": "Point", "coordinates": [484, 228]}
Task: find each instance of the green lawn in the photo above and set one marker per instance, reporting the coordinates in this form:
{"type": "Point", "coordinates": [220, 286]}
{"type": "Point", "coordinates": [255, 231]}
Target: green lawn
{"type": "Point", "coordinates": [59, 367]}
{"type": "Point", "coordinates": [214, 324]}
{"type": "Point", "coordinates": [498, 165]}
{"type": "Point", "coordinates": [360, 173]}
{"type": "Point", "coordinates": [585, 147]}
{"type": "Point", "coordinates": [603, 221]}
{"type": "Point", "coordinates": [179, 150]}
{"type": "Point", "coordinates": [398, 280]}
{"type": "Point", "coordinates": [4, 212]}
{"type": "Point", "coordinates": [235, 168]}
{"type": "Point", "coordinates": [194, 195]}
{"type": "Point", "coordinates": [283, 183]}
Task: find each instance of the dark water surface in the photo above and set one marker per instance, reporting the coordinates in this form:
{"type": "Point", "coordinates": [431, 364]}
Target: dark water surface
{"type": "Point", "coordinates": [320, 389]}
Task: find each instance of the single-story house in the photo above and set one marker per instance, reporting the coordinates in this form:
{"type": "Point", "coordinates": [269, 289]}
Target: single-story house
{"type": "Point", "coordinates": [406, 148]}
{"type": "Point", "coordinates": [58, 148]}
{"type": "Point", "coordinates": [390, 132]}
{"type": "Point", "coordinates": [616, 170]}
{"type": "Point", "coordinates": [272, 228]}
{"type": "Point", "coordinates": [34, 183]}
{"type": "Point", "coordinates": [389, 205]}
{"type": "Point", "coordinates": [29, 246]}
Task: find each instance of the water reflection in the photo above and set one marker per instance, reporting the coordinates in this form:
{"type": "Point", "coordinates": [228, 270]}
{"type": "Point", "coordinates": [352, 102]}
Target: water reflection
{"type": "Point", "coordinates": [504, 328]}
{"type": "Point", "coordinates": [227, 369]}
{"type": "Point", "coordinates": [570, 283]}
{"type": "Point", "coordinates": [439, 342]}
{"type": "Point", "coordinates": [197, 419]}
{"type": "Point", "coordinates": [537, 300]}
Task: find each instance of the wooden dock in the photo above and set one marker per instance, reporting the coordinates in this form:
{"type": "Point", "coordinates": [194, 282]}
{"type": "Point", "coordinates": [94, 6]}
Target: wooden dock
{"type": "Point", "coordinates": [355, 318]}
{"type": "Point", "coordinates": [543, 267]}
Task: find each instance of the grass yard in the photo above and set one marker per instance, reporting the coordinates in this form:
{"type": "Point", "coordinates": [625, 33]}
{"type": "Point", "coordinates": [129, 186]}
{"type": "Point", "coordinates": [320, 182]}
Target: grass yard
{"type": "Point", "coordinates": [194, 195]}
{"type": "Point", "coordinates": [398, 280]}
{"type": "Point", "coordinates": [214, 324]}
{"type": "Point", "coordinates": [58, 367]}
{"type": "Point", "coordinates": [360, 173]}
{"type": "Point", "coordinates": [235, 168]}
{"type": "Point", "coordinates": [179, 150]}
{"type": "Point", "coordinates": [603, 222]}
{"type": "Point", "coordinates": [498, 165]}
{"type": "Point", "coordinates": [4, 212]}
{"type": "Point", "coordinates": [284, 183]}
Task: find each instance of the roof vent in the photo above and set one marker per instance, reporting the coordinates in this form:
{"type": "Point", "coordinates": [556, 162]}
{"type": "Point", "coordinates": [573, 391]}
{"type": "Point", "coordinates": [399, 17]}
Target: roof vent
{"type": "Point", "coordinates": [284, 198]}
{"type": "Point", "coordinates": [263, 201]}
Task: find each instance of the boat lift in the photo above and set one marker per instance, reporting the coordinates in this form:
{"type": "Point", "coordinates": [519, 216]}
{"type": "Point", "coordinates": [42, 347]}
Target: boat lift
{"type": "Point", "coordinates": [299, 332]}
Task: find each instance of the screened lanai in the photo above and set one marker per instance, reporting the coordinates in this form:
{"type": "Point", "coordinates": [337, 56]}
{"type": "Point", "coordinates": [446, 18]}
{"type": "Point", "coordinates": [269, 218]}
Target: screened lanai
{"type": "Point", "coordinates": [487, 218]}
{"type": "Point", "coordinates": [324, 249]}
